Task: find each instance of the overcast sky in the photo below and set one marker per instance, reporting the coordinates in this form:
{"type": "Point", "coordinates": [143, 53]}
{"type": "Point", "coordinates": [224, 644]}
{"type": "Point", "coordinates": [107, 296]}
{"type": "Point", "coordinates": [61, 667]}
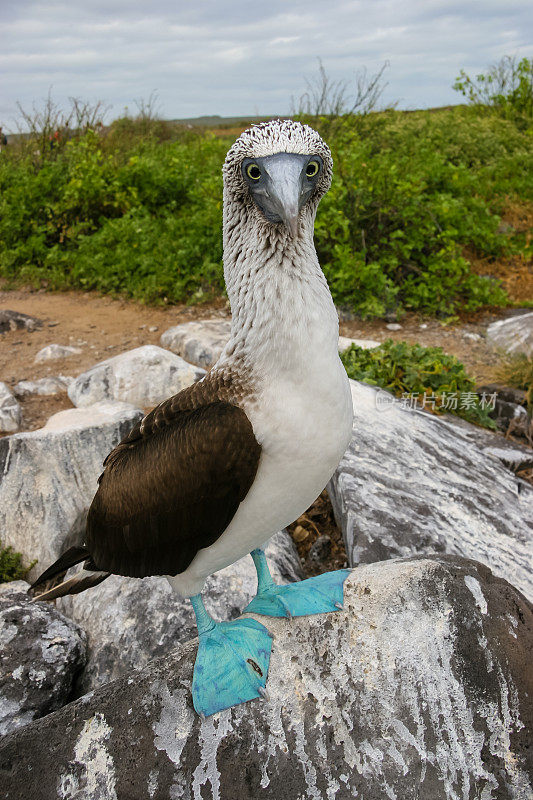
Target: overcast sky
{"type": "Point", "coordinates": [243, 57]}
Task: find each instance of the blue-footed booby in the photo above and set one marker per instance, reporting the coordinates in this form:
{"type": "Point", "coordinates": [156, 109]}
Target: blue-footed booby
{"type": "Point", "coordinates": [211, 473]}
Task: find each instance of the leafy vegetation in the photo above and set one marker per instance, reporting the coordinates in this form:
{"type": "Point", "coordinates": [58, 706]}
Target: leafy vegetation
{"type": "Point", "coordinates": [507, 87]}
{"type": "Point", "coordinates": [424, 375]}
{"type": "Point", "coordinates": [11, 566]}
{"type": "Point", "coordinates": [136, 208]}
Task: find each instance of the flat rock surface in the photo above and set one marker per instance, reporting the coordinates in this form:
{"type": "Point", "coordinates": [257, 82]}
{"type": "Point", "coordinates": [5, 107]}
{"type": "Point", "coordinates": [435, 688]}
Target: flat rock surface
{"type": "Point", "coordinates": [43, 386]}
{"type": "Point", "coordinates": [40, 653]}
{"type": "Point", "coordinates": [412, 483]}
{"type": "Point", "coordinates": [144, 377]}
{"type": "Point", "coordinates": [48, 478]}
{"type": "Point", "coordinates": [513, 335]}
{"type": "Point", "coordinates": [366, 344]}
{"type": "Point", "coordinates": [130, 621]}
{"type": "Point", "coordinates": [419, 688]}
{"type": "Point", "coordinates": [53, 352]}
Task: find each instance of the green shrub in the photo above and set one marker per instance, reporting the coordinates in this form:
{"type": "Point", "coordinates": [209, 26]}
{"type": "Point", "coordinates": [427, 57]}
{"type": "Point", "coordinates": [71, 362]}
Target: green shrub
{"type": "Point", "coordinates": [410, 194]}
{"type": "Point", "coordinates": [134, 213]}
{"type": "Point", "coordinates": [426, 375]}
{"type": "Point", "coordinates": [11, 566]}
{"type": "Point", "coordinates": [506, 87]}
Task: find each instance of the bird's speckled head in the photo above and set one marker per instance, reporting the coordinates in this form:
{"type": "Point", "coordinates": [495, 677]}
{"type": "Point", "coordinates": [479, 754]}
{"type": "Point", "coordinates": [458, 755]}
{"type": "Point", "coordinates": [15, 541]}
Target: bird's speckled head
{"type": "Point", "coordinates": [276, 169]}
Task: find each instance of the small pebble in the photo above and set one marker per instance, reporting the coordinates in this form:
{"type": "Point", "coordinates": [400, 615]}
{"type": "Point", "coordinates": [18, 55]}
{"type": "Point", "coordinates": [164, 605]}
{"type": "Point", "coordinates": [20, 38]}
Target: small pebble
{"type": "Point", "coordinates": [153, 328]}
{"type": "Point", "coordinates": [52, 324]}
{"type": "Point", "coordinates": [394, 326]}
{"type": "Point", "coordinates": [423, 326]}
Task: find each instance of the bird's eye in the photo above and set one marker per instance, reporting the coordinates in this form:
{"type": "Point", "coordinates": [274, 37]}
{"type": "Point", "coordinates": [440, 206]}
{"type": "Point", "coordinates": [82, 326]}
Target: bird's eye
{"type": "Point", "coordinates": [312, 169]}
{"type": "Point", "coordinates": [253, 172]}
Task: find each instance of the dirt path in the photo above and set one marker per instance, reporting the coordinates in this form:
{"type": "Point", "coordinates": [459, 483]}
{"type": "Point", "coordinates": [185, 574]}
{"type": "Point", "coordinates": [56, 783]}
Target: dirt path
{"type": "Point", "coordinates": [102, 327]}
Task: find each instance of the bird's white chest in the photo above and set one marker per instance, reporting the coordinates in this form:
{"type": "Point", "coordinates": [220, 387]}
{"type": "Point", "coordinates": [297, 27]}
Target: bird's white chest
{"type": "Point", "coordinates": [303, 423]}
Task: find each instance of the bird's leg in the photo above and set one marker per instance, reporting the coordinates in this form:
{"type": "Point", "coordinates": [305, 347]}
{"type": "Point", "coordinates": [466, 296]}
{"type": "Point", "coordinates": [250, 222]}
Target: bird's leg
{"type": "Point", "coordinates": [313, 596]}
{"type": "Point", "coordinates": [264, 578]}
{"type": "Point", "coordinates": [231, 665]}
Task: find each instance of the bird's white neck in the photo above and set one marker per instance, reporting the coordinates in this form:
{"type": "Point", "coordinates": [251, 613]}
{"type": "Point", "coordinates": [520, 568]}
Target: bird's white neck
{"type": "Point", "coordinates": [283, 316]}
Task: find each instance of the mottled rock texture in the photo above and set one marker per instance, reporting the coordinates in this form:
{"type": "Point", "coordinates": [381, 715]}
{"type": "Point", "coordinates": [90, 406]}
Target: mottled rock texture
{"type": "Point", "coordinates": [43, 386]}
{"type": "Point", "coordinates": [130, 621]}
{"type": "Point", "coordinates": [512, 454]}
{"type": "Point", "coordinates": [53, 352]}
{"type": "Point", "coordinates": [199, 343]}
{"type": "Point", "coordinates": [15, 320]}
{"type": "Point", "coordinates": [10, 411]}
{"type": "Point", "coordinates": [144, 377]}
{"type": "Point", "coordinates": [514, 335]}
{"type": "Point", "coordinates": [40, 653]}
{"type": "Point", "coordinates": [48, 478]}
{"type": "Point", "coordinates": [419, 689]}
{"type": "Point", "coordinates": [412, 483]}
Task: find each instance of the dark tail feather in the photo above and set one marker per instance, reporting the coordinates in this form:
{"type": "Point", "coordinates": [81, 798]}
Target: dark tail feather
{"type": "Point", "coordinates": [71, 557]}
{"type": "Point", "coordinates": [84, 579]}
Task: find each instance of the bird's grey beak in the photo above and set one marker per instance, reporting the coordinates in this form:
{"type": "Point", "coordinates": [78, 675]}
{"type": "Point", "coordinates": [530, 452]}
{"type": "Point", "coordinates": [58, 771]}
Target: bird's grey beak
{"type": "Point", "coordinates": [284, 187]}
{"type": "Point", "coordinates": [281, 192]}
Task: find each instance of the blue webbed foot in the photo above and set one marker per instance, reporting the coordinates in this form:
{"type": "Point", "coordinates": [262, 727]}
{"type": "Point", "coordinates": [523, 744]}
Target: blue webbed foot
{"type": "Point", "coordinates": [316, 595]}
{"type": "Point", "coordinates": [231, 665]}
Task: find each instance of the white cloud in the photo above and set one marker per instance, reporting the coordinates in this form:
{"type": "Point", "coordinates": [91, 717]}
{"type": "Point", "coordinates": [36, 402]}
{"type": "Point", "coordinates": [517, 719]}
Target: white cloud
{"type": "Point", "coordinates": [240, 57]}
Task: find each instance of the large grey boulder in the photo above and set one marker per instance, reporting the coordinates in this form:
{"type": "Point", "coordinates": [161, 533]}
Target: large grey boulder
{"type": "Point", "coordinates": [411, 483]}
{"type": "Point", "coordinates": [200, 342]}
{"type": "Point", "coordinates": [144, 377]}
{"type": "Point", "coordinates": [419, 688]}
{"type": "Point", "coordinates": [130, 621]}
{"type": "Point", "coordinates": [10, 410]}
{"type": "Point", "coordinates": [40, 653]}
{"type": "Point", "coordinates": [514, 335]}
{"type": "Point", "coordinates": [48, 478]}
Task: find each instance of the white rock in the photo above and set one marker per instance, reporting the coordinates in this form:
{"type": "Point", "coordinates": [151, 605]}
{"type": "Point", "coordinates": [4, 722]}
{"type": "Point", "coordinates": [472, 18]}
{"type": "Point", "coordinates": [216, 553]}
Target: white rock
{"type": "Point", "coordinates": [41, 652]}
{"type": "Point", "coordinates": [200, 342]}
{"type": "Point", "coordinates": [419, 689]}
{"type": "Point", "coordinates": [366, 344]}
{"type": "Point", "coordinates": [10, 411]}
{"type": "Point", "coordinates": [144, 376]}
{"type": "Point", "coordinates": [474, 337]}
{"type": "Point", "coordinates": [55, 351]}
{"type": "Point", "coordinates": [393, 326]}
{"type": "Point", "coordinates": [514, 335]}
{"type": "Point", "coordinates": [130, 621]}
{"type": "Point", "coordinates": [49, 478]}
{"type": "Point", "coordinates": [43, 386]}
{"type": "Point", "coordinates": [412, 483]}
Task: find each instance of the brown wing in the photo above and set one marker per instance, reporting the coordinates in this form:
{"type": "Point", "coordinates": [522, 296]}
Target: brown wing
{"type": "Point", "coordinates": [171, 488]}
